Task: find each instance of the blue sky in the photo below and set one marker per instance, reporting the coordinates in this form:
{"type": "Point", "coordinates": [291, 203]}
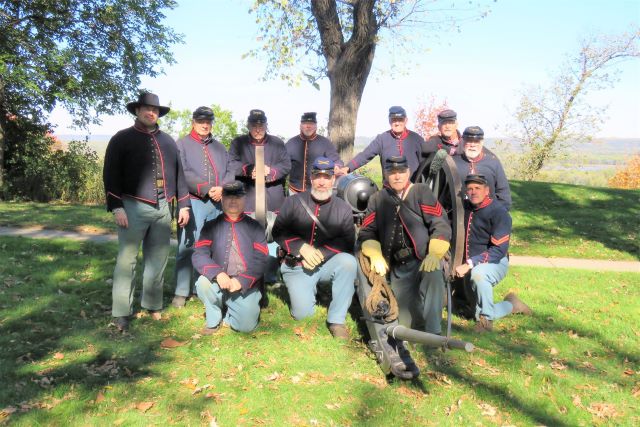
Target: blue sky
{"type": "Point", "coordinates": [478, 70]}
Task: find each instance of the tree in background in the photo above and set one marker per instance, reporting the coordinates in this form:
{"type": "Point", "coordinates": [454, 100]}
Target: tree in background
{"type": "Point", "coordinates": [177, 123]}
{"type": "Point", "coordinates": [629, 177]}
{"type": "Point", "coordinates": [427, 117]}
{"type": "Point", "coordinates": [337, 39]}
{"type": "Point", "coordinates": [549, 120]}
{"type": "Point", "coordinates": [84, 55]}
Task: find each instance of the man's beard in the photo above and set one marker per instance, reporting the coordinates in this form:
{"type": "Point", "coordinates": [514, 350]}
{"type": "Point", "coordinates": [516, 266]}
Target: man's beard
{"type": "Point", "coordinates": [321, 195]}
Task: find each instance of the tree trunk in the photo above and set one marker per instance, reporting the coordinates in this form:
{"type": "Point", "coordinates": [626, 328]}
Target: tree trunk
{"type": "Point", "coordinates": [3, 141]}
{"type": "Point", "coordinates": [348, 66]}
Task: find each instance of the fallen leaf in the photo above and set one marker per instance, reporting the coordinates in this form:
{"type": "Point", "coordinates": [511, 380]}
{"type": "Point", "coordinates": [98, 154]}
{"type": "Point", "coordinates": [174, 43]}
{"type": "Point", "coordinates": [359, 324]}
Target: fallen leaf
{"type": "Point", "coordinates": [144, 406]}
{"type": "Point", "coordinates": [577, 402]}
{"type": "Point", "coordinates": [553, 351]}
{"type": "Point", "coordinates": [629, 372]}
{"type": "Point", "coordinates": [558, 365]}
{"type": "Point", "coordinates": [332, 406]}
{"type": "Point", "coordinates": [487, 409]}
{"type": "Point", "coordinates": [635, 392]}
{"type": "Point", "coordinates": [273, 377]}
{"type": "Point", "coordinates": [171, 343]}
{"type": "Point", "coordinates": [58, 356]}
{"type": "Point", "coordinates": [603, 410]}
{"type": "Point", "coordinates": [99, 397]}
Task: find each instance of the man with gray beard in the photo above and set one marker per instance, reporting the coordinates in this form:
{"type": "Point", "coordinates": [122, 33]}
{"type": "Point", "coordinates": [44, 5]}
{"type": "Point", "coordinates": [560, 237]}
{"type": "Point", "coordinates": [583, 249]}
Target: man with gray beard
{"type": "Point", "coordinates": [317, 233]}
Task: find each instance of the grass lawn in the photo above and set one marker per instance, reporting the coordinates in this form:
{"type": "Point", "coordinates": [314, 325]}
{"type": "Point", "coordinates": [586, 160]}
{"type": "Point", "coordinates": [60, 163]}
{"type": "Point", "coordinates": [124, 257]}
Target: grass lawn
{"type": "Point", "coordinates": [575, 362]}
{"type": "Point", "coordinates": [551, 220]}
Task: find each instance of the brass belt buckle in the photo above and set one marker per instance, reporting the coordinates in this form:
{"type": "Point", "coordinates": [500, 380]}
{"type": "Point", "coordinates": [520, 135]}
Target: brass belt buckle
{"type": "Point", "coordinates": [159, 182]}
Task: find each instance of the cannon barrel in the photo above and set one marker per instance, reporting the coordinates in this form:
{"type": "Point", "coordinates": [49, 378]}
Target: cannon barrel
{"type": "Point", "coordinates": [403, 333]}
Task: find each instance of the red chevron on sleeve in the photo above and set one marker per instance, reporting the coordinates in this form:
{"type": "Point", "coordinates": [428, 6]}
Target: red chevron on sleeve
{"type": "Point", "coordinates": [499, 241]}
{"type": "Point", "coordinates": [369, 219]}
{"type": "Point", "coordinates": [435, 210]}
{"type": "Point", "coordinates": [201, 243]}
{"type": "Point", "coordinates": [262, 248]}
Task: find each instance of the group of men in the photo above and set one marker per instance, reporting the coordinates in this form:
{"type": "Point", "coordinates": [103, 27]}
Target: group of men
{"type": "Point", "coordinates": [405, 232]}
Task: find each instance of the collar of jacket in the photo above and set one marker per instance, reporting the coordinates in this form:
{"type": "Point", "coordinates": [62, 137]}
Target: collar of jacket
{"type": "Point", "coordinates": [486, 202]}
{"type": "Point", "coordinates": [403, 135]}
{"type": "Point", "coordinates": [142, 128]}
{"type": "Point", "coordinates": [448, 141]}
{"type": "Point", "coordinates": [263, 141]}
{"type": "Point", "coordinates": [199, 139]}
{"type": "Point", "coordinates": [319, 202]}
{"type": "Point", "coordinates": [311, 138]}
{"type": "Point", "coordinates": [228, 219]}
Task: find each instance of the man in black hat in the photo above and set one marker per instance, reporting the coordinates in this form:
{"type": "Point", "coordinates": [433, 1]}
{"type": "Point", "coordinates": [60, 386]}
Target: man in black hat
{"type": "Point", "coordinates": [230, 256]}
{"type": "Point", "coordinates": [242, 162]}
{"type": "Point", "coordinates": [303, 149]}
{"type": "Point", "coordinates": [317, 232]}
{"type": "Point", "coordinates": [448, 137]}
{"type": "Point", "coordinates": [476, 159]}
{"type": "Point", "coordinates": [142, 175]}
{"type": "Point", "coordinates": [398, 141]}
{"type": "Point", "coordinates": [204, 161]}
{"type": "Point", "coordinates": [488, 229]}
{"type": "Point", "coordinates": [405, 234]}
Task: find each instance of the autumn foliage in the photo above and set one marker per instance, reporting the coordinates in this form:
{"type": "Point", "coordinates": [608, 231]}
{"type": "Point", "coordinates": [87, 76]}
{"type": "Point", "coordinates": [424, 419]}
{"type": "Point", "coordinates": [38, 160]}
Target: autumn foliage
{"type": "Point", "coordinates": [629, 177]}
{"type": "Point", "coordinates": [427, 117]}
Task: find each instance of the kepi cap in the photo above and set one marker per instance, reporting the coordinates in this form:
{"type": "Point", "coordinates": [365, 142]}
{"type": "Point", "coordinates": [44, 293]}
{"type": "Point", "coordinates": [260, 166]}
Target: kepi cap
{"type": "Point", "coordinates": [322, 165]}
{"type": "Point", "coordinates": [396, 162]}
{"type": "Point", "coordinates": [257, 117]}
{"type": "Point", "coordinates": [234, 188]}
{"type": "Point", "coordinates": [473, 132]}
{"type": "Point", "coordinates": [309, 117]}
{"type": "Point", "coordinates": [203, 113]}
{"type": "Point", "coordinates": [447, 115]}
{"type": "Point", "coordinates": [397, 112]}
{"type": "Point", "coordinates": [477, 178]}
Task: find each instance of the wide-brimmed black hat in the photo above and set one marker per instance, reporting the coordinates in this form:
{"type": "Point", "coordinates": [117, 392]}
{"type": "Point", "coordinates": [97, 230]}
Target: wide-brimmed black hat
{"type": "Point", "coordinates": [396, 162]}
{"type": "Point", "coordinates": [147, 98]}
{"type": "Point", "coordinates": [203, 113]}
{"type": "Point", "coordinates": [234, 188]}
{"type": "Point", "coordinates": [473, 132]}
{"type": "Point", "coordinates": [477, 178]}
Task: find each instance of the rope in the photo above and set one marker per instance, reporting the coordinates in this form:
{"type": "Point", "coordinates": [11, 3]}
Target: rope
{"type": "Point", "coordinates": [380, 292]}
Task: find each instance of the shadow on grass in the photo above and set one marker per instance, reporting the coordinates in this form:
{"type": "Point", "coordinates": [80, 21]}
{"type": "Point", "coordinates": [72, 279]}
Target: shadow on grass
{"type": "Point", "coordinates": [575, 212]}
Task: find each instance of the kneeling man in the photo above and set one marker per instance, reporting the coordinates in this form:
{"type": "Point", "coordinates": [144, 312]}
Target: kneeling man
{"type": "Point", "coordinates": [405, 232]}
{"type": "Point", "coordinates": [488, 228]}
{"type": "Point", "coordinates": [317, 232]}
{"type": "Point", "coordinates": [230, 255]}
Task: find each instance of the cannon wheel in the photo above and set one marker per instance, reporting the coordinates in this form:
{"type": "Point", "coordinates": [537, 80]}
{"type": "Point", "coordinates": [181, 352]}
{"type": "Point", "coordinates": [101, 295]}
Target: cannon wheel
{"type": "Point", "coordinates": [446, 187]}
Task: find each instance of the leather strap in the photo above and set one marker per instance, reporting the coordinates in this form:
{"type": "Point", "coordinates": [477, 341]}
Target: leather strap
{"type": "Point", "coordinates": [312, 215]}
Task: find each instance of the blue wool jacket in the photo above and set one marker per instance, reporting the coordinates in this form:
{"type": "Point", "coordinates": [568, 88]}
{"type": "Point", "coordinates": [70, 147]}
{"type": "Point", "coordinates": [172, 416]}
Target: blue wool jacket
{"type": "Point", "coordinates": [487, 232]}
{"type": "Point", "coordinates": [130, 168]}
{"type": "Point", "coordinates": [386, 145]}
{"type": "Point", "coordinates": [302, 153]}
{"type": "Point", "coordinates": [489, 165]}
{"type": "Point", "coordinates": [428, 220]}
{"type": "Point", "coordinates": [213, 248]}
{"type": "Point", "coordinates": [242, 159]}
{"type": "Point", "coordinates": [204, 163]}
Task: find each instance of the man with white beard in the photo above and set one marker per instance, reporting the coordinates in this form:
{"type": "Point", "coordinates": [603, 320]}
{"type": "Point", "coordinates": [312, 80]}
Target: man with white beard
{"type": "Point", "coordinates": [317, 233]}
{"type": "Point", "coordinates": [478, 160]}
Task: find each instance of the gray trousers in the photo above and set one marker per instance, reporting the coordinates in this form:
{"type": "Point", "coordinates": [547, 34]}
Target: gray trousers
{"type": "Point", "coordinates": [151, 226]}
{"type": "Point", "coordinates": [419, 295]}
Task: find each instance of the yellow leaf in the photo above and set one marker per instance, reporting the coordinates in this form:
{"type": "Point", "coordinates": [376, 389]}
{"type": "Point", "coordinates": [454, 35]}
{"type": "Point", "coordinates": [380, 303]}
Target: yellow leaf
{"type": "Point", "coordinates": [144, 406]}
{"type": "Point", "coordinates": [58, 356]}
{"type": "Point", "coordinates": [171, 343]}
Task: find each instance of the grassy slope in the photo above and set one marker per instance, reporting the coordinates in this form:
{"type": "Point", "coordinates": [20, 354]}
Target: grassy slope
{"type": "Point", "coordinates": [575, 362]}
{"type": "Point", "coordinates": [550, 220]}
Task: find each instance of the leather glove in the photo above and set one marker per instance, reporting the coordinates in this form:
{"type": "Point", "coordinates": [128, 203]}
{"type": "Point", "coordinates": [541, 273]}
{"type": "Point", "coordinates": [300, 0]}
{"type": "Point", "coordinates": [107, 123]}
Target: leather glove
{"type": "Point", "coordinates": [311, 255]}
{"type": "Point", "coordinates": [437, 249]}
{"type": "Point", "coordinates": [372, 250]}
